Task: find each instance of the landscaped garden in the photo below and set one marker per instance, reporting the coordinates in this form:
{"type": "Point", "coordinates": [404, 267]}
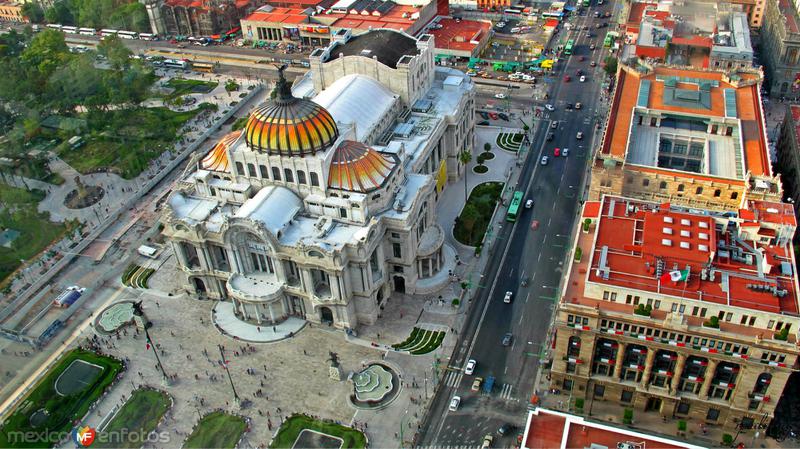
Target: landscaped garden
{"type": "Point", "coordinates": [137, 276]}
{"type": "Point", "coordinates": [18, 213]}
{"type": "Point", "coordinates": [300, 431]}
{"type": "Point", "coordinates": [125, 141]}
{"type": "Point", "coordinates": [217, 430]}
{"type": "Point", "coordinates": [510, 141]}
{"type": "Point", "coordinates": [135, 420]}
{"type": "Point", "coordinates": [61, 398]}
{"type": "Point", "coordinates": [421, 341]}
{"type": "Point", "coordinates": [182, 86]}
{"type": "Point", "coordinates": [474, 219]}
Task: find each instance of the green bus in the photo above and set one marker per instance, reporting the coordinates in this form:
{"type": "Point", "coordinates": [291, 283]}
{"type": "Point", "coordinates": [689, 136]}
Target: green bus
{"type": "Point", "coordinates": [513, 209]}
{"type": "Point", "coordinates": [568, 47]}
{"type": "Point", "coordinates": [587, 2]}
{"type": "Point", "coordinates": [608, 41]}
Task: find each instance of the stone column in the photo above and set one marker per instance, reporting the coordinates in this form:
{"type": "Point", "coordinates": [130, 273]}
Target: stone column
{"type": "Point", "coordinates": [711, 369]}
{"type": "Point", "coordinates": [176, 247]}
{"type": "Point", "coordinates": [271, 313]}
{"type": "Point", "coordinates": [676, 375]}
{"type": "Point", "coordinates": [620, 359]}
{"type": "Point", "coordinates": [648, 366]}
{"type": "Point", "coordinates": [258, 313]}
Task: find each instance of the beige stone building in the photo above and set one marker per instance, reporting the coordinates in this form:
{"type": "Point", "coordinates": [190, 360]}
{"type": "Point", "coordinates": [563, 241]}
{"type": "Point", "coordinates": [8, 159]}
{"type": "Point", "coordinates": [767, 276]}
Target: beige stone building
{"type": "Point", "coordinates": [324, 205]}
{"type": "Point", "coordinates": [687, 313]}
{"type": "Point", "coordinates": [683, 135]}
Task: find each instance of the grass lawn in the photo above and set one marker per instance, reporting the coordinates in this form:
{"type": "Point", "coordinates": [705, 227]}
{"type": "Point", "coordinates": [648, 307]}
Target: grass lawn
{"type": "Point", "coordinates": [217, 430]}
{"type": "Point", "coordinates": [291, 428]}
{"type": "Point", "coordinates": [62, 410]}
{"type": "Point", "coordinates": [184, 86]}
{"type": "Point", "coordinates": [18, 212]}
{"type": "Point", "coordinates": [125, 141]}
{"type": "Point", "coordinates": [139, 415]}
{"type": "Point", "coordinates": [475, 216]}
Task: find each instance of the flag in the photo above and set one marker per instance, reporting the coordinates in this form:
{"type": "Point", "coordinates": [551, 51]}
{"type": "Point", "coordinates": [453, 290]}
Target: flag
{"type": "Point", "coordinates": [675, 276]}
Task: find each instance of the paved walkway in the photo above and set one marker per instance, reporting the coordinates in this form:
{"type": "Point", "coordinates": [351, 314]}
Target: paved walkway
{"type": "Point", "coordinates": [227, 323]}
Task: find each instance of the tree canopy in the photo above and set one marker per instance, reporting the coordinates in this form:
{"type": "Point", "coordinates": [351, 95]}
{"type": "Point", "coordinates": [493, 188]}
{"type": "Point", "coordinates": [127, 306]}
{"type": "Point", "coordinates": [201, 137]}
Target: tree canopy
{"type": "Point", "coordinates": [117, 14]}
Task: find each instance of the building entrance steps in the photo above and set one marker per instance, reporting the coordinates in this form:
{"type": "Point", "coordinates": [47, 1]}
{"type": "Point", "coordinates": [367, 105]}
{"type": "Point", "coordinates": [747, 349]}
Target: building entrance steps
{"type": "Point", "coordinates": [228, 324]}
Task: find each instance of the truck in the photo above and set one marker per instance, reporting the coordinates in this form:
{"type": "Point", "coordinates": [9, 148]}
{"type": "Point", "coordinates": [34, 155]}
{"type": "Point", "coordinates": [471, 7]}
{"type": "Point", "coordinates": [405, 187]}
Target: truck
{"type": "Point", "coordinates": [68, 296]}
{"type": "Point", "coordinates": [487, 386]}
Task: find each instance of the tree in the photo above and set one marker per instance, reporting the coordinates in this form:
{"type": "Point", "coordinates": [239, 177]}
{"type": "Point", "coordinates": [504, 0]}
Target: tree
{"type": "Point", "coordinates": [130, 16]}
{"type": "Point", "coordinates": [117, 54]}
{"type": "Point", "coordinates": [487, 147]}
{"type": "Point", "coordinates": [611, 66]}
{"type": "Point", "coordinates": [46, 52]}
{"type": "Point", "coordinates": [33, 11]}
{"type": "Point", "coordinates": [465, 157]}
{"type": "Point", "coordinates": [59, 13]}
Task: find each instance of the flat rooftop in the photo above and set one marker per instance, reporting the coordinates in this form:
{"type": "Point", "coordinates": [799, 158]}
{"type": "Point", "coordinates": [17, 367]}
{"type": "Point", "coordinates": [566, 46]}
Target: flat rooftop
{"type": "Point", "coordinates": [460, 36]}
{"type": "Point", "coordinates": [685, 98]}
{"type": "Point", "coordinates": [549, 429]}
{"type": "Point", "coordinates": [387, 45]}
{"type": "Point", "coordinates": [636, 242]}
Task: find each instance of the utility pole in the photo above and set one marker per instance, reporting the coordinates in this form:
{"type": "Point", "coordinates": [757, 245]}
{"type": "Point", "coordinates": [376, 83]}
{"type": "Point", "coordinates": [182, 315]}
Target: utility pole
{"type": "Point", "coordinates": [225, 365]}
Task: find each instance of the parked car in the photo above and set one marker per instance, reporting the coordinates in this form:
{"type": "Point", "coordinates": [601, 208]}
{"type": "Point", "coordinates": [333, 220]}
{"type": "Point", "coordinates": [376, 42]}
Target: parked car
{"type": "Point", "coordinates": [503, 116]}
{"type": "Point", "coordinates": [487, 441]}
{"type": "Point", "coordinates": [556, 152]}
{"type": "Point", "coordinates": [554, 125]}
{"type": "Point", "coordinates": [476, 384]}
{"type": "Point", "coordinates": [505, 429]}
{"type": "Point", "coordinates": [550, 136]}
{"type": "Point", "coordinates": [484, 123]}
{"type": "Point", "coordinates": [470, 368]}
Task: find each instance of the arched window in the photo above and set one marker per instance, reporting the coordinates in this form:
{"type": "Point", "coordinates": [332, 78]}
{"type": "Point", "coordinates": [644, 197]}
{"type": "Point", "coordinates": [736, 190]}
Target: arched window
{"type": "Point", "coordinates": [301, 177]}
{"type": "Point", "coordinates": [251, 170]}
{"type": "Point", "coordinates": [264, 171]}
{"type": "Point", "coordinates": [698, 191]}
{"type": "Point", "coordinates": [662, 185]}
{"type": "Point", "coordinates": [314, 179]}
{"type": "Point", "coordinates": [239, 168]}
{"type": "Point", "coordinates": [574, 346]}
{"type": "Point", "coordinates": [717, 193]}
{"type": "Point", "coordinates": [287, 175]}
{"type": "Point", "coordinates": [680, 187]}
{"type": "Point", "coordinates": [762, 383]}
{"type": "Point", "coordinates": [734, 195]}
{"type": "Point", "coordinates": [645, 182]}
{"type": "Point", "coordinates": [276, 174]}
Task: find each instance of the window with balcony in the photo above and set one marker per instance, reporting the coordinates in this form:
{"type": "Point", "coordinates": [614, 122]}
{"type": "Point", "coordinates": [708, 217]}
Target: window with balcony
{"type": "Point", "coordinates": [219, 258]}
{"type": "Point", "coordinates": [292, 273]}
{"type": "Point", "coordinates": [321, 283]}
{"type": "Point", "coordinates": [190, 252]}
{"type": "Point", "coordinates": [574, 347]}
{"type": "Point", "coordinates": [762, 383]}
{"type": "Point", "coordinates": [724, 381]}
{"type": "Point", "coordinates": [633, 363]}
{"type": "Point", "coordinates": [605, 355]}
{"type": "Point", "coordinates": [693, 375]}
{"type": "Point", "coordinates": [663, 368]}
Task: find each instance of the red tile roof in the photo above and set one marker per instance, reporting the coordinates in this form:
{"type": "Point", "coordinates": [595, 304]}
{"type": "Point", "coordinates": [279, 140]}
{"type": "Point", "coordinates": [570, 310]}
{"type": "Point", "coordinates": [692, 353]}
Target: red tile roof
{"type": "Point", "coordinates": [463, 35]}
{"type": "Point", "coordinates": [636, 236]}
{"type": "Point", "coordinates": [637, 12]}
{"type": "Point", "coordinates": [693, 41]}
{"type": "Point", "coordinates": [547, 429]}
{"type": "Point", "coordinates": [591, 209]}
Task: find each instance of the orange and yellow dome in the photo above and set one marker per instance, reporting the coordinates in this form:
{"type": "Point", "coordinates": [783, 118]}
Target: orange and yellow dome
{"type": "Point", "coordinates": [358, 168]}
{"type": "Point", "coordinates": [290, 126]}
{"type": "Point", "coordinates": [217, 158]}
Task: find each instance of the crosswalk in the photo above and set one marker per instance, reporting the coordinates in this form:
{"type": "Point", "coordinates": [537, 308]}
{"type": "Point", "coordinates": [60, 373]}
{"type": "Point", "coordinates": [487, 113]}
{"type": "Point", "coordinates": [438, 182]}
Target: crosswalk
{"type": "Point", "coordinates": [453, 378]}
{"type": "Point", "coordinates": [506, 391]}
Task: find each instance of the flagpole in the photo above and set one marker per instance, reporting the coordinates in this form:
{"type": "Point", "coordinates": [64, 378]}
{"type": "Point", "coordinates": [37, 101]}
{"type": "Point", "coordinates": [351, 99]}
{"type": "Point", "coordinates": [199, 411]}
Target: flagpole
{"type": "Point", "coordinates": [225, 365]}
{"type": "Point", "coordinates": [146, 324]}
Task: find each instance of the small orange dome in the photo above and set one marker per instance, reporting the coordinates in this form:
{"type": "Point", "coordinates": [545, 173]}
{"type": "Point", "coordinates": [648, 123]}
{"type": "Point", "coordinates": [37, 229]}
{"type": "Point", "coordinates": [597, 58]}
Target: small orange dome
{"type": "Point", "coordinates": [359, 168]}
{"type": "Point", "coordinates": [217, 158]}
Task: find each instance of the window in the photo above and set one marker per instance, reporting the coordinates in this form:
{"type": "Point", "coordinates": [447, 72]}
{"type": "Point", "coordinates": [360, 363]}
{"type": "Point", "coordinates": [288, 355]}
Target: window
{"type": "Point", "coordinates": [396, 250]}
{"type": "Point", "coordinates": [613, 297]}
{"type": "Point", "coordinates": [734, 195]}
{"type": "Point", "coordinates": [626, 397]}
{"type": "Point", "coordinates": [314, 179]}
{"type": "Point", "coordinates": [662, 185]}
{"type": "Point", "coordinates": [712, 415]}
{"type": "Point", "coordinates": [288, 174]}
{"type": "Point", "coordinates": [395, 235]}
{"type": "Point", "coordinates": [657, 304]}
{"type": "Point", "coordinates": [703, 312]}
{"type": "Point", "coordinates": [276, 174]}
{"type": "Point", "coordinates": [342, 212]}
{"type": "Point", "coordinates": [398, 269]}
{"type": "Point", "coordinates": [628, 299]}
{"type": "Point", "coordinates": [645, 182]}
{"type": "Point", "coordinates": [251, 170]}
{"type": "Point", "coordinates": [753, 405]}
{"type": "Point", "coordinates": [728, 316]}
{"type": "Point", "coordinates": [680, 187]}
{"type": "Point", "coordinates": [264, 172]}
{"type": "Point", "coordinates": [239, 168]}
{"type": "Point", "coordinates": [770, 324]}
{"type": "Point", "coordinates": [695, 309]}
{"type": "Point", "coordinates": [683, 408]}
{"type": "Point", "coordinates": [682, 308]}
{"type": "Point", "coordinates": [605, 296]}
{"type": "Point", "coordinates": [743, 320]}
{"type": "Point", "coordinates": [674, 307]}
{"type": "Point", "coordinates": [599, 390]}
{"type": "Point", "coordinates": [301, 177]}
{"type": "Point", "coordinates": [752, 321]}
{"type": "Point", "coordinates": [698, 191]}
{"type": "Point", "coordinates": [567, 385]}
{"type": "Point", "coordinates": [747, 423]}
{"type": "Point", "coordinates": [717, 193]}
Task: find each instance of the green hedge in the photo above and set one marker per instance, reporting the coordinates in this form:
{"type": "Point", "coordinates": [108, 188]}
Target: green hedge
{"type": "Point", "coordinates": [291, 428]}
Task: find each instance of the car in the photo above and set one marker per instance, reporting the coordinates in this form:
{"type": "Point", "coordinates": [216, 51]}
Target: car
{"type": "Point", "coordinates": [501, 96]}
{"type": "Point", "coordinates": [607, 14]}
{"type": "Point", "coordinates": [564, 152]}
{"type": "Point", "coordinates": [487, 441]}
{"type": "Point", "coordinates": [578, 105]}
{"type": "Point", "coordinates": [597, 25]}
{"type": "Point", "coordinates": [484, 114]}
{"type": "Point", "coordinates": [549, 107]}
{"type": "Point", "coordinates": [471, 73]}
{"type": "Point", "coordinates": [569, 106]}
{"type": "Point", "coordinates": [544, 160]}
{"type": "Point", "coordinates": [506, 342]}
{"type": "Point", "coordinates": [578, 72]}
{"type": "Point", "coordinates": [454, 403]}
{"type": "Point", "coordinates": [556, 152]}
{"type": "Point", "coordinates": [593, 64]}
{"type": "Point", "coordinates": [592, 47]}
{"type": "Point", "coordinates": [567, 78]}
{"type": "Point", "coordinates": [583, 79]}
{"type": "Point", "coordinates": [550, 136]}
{"type": "Point", "coordinates": [505, 429]}
{"type": "Point", "coordinates": [528, 204]}
{"type": "Point", "coordinates": [507, 297]}
{"type": "Point", "coordinates": [503, 116]}
{"type": "Point", "coordinates": [470, 368]}
{"type": "Point", "coordinates": [579, 136]}
{"type": "Point", "coordinates": [493, 115]}
{"type": "Point", "coordinates": [484, 123]}
{"type": "Point", "coordinates": [476, 384]}
{"type": "Point", "coordinates": [597, 13]}
{"type": "Point", "coordinates": [554, 125]}
{"type": "Point", "coordinates": [535, 223]}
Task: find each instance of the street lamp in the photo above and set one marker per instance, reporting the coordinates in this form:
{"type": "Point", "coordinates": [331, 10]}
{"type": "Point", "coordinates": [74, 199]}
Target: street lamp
{"type": "Point", "coordinates": [225, 365]}
{"type": "Point", "coordinates": [402, 425]}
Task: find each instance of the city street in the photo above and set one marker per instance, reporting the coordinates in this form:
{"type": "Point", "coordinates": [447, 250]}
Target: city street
{"type": "Point", "coordinates": [532, 248]}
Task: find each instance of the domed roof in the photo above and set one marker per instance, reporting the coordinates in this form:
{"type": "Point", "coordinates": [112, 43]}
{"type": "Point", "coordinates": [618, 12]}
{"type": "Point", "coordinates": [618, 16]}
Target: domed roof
{"type": "Point", "coordinates": [217, 158]}
{"type": "Point", "coordinates": [358, 168]}
{"type": "Point", "coordinates": [290, 126]}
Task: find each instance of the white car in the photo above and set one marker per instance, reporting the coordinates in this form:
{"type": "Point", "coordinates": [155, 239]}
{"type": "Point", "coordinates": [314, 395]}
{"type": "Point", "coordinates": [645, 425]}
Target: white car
{"type": "Point", "coordinates": [470, 368]}
{"type": "Point", "coordinates": [583, 78]}
{"type": "Point", "coordinates": [487, 441]}
{"type": "Point", "coordinates": [550, 107]}
{"type": "Point", "coordinates": [544, 160]}
{"type": "Point", "coordinates": [565, 152]}
{"type": "Point", "coordinates": [454, 403]}
{"type": "Point", "coordinates": [528, 204]}
{"type": "Point", "coordinates": [500, 96]}
{"type": "Point", "coordinates": [507, 297]}
{"type": "Point", "coordinates": [579, 136]}
{"type": "Point", "coordinates": [578, 105]}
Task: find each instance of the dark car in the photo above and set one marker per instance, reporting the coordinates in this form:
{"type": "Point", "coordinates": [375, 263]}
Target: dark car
{"type": "Point", "coordinates": [503, 116]}
{"type": "Point", "coordinates": [507, 339]}
{"type": "Point", "coordinates": [484, 123]}
{"type": "Point", "coordinates": [569, 106]}
{"type": "Point", "coordinates": [505, 429]}
{"type": "Point", "coordinates": [550, 136]}
{"type": "Point", "coordinates": [483, 114]}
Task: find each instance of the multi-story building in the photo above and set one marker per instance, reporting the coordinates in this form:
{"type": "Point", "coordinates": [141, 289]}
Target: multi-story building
{"type": "Point", "coordinates": [780, 48]}
{"type": "Point", "coordinates": [686, 136]}
{"type": "Point", "coordinates": [679, 311]}
{"type": "Point", "coordinates": [11, 11]}
{"type": "Point", "coordinates": [199, 17]}
{"type": "Point", "coordinates": [788, 149]}
{"type": "Point", "coordinates": [325, 203]}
